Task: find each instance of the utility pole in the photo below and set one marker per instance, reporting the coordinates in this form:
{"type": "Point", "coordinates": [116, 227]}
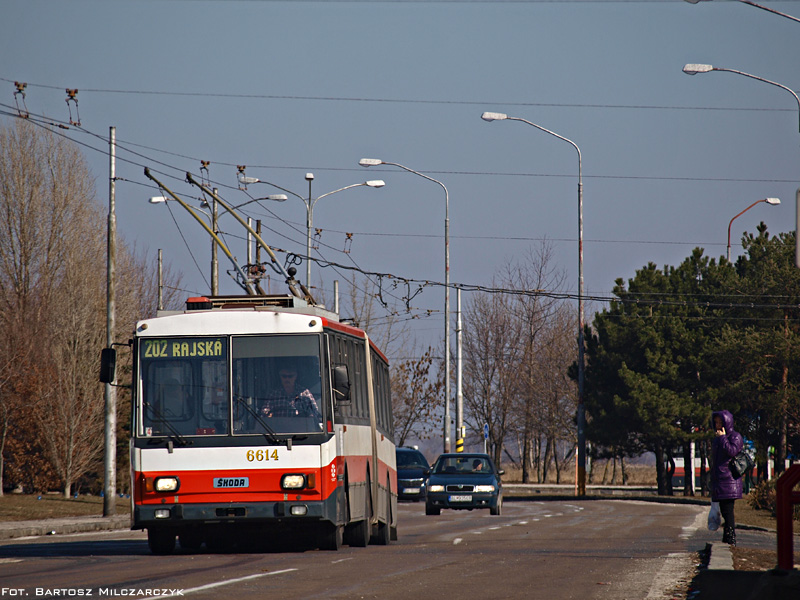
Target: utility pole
{"type": "Point", "coordinates": [160, 281]}
{"type": "Point", "coordinates": [460, 429]}
{"type": "Point", "coordinates": [110, 457]}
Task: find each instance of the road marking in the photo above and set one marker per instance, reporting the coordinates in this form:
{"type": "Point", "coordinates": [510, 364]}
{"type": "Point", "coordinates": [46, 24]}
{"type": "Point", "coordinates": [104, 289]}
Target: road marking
{"type": "Point", "coordinates": [457, 541]}
{"type": "Point", "coordinates": [6, 561]}
{"type": "Point", "coordinates": [211, 586]}
{"type": "Point", "coordinates": [336, 562]}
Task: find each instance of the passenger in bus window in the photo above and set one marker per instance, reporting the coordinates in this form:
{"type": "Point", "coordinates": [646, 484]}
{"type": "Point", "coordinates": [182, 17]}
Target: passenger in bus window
{"type": "Point", "coordinates": [290, 399]}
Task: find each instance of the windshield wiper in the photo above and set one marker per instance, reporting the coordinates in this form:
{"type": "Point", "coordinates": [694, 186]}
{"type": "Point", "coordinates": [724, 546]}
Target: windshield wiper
{"type": "Point", "coordinates": [175, 435]}
{"type": "Point", "coordinates": [269, 434]}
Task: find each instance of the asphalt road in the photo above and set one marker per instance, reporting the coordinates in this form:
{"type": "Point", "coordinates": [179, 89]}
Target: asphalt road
{"type": "Point", "coordinates": [550, 550]}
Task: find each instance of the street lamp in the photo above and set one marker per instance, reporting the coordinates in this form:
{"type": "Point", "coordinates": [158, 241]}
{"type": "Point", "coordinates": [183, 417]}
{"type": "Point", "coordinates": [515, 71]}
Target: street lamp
{"type": "Point", "coordinates": [773, 11]}
{"type": "Point", "coordinates": [771, 201]}
{"type": "Point", "coordinates": [309, 203]}
{"type": "Point", "coordinates": [694, 69]}
{"type": "Point", "coordinates": [581, 478]}
{"type": "Point", "coordinates": [373, 162]}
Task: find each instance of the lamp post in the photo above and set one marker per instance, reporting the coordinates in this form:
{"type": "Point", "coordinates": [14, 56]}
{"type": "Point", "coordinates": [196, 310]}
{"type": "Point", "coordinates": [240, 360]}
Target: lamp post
{"type": "Point", "coordinates": [694, 69]}
{"type": "Point", "coordinates": [773, 11]}
{"type": "Point", "coordinates": [770, 201]}
{"type": "Point", "coordinates": [372, 162]}
{"type": "Point", "coordinates": [309, 204]}
{"type": "Point", "coordinates": [580, 482]}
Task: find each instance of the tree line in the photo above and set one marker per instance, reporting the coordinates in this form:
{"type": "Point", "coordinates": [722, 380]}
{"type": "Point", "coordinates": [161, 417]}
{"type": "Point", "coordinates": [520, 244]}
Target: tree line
{"type": "Point", "coordinates": [53, 314]}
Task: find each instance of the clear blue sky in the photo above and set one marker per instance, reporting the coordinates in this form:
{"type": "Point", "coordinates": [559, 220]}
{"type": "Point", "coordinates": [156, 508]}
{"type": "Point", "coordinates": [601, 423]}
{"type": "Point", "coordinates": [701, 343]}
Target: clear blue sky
{"type": "Point", "coordinates": [288, 88]}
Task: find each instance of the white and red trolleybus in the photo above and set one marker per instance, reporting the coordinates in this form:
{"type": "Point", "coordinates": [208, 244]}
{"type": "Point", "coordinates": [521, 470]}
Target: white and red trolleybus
{"type": "Point", "coordinates": [260, 416]}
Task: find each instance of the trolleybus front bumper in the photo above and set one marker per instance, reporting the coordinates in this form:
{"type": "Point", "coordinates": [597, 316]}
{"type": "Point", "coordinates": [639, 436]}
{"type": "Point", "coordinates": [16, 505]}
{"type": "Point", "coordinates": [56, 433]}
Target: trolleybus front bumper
{"type": "Point", "coordinates": [177, 515]}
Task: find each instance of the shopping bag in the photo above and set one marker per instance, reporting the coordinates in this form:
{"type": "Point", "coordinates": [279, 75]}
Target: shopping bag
{"type": "Point", "coordinates": [741, 464]}
{"type": "Point", "coordinates": [714, 517]}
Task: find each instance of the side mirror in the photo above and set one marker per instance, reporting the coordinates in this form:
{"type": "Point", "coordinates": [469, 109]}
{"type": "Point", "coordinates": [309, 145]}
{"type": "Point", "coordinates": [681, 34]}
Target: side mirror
{"type": "Point", "coordinates": [341, 385]}
{"type": "Point", "coordinates": [108, 365]}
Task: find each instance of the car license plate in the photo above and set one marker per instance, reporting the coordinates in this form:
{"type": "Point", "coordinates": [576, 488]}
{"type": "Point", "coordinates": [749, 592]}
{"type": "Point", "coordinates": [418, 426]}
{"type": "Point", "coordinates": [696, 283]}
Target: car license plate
{"type": "Point", "coordinates": [411, 490]}
{"type": "Point", "coordinates": [461, 498]}
{"type": "Point", "coordinates": [231, 482]}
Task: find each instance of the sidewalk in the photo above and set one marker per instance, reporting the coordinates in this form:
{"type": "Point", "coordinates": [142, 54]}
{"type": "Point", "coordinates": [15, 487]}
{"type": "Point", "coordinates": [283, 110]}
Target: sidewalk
{"type": "Point", "coordinates": [16, 529]}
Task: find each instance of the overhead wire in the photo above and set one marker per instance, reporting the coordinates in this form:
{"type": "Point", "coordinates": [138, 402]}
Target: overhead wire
{"type": "Point", "coordinates": [59, 128]}
{"type": "Point", "coordinates": [231, 95]}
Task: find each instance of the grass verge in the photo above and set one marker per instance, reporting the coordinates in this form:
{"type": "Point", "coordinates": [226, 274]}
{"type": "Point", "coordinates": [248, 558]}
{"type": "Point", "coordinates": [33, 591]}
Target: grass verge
{"type": "Point", "coordinates": [31, 507]}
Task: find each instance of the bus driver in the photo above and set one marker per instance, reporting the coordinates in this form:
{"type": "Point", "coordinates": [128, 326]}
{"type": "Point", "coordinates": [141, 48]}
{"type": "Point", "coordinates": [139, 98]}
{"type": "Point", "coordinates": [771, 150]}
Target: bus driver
{"type": "Point", "coordinates": [289, 400]}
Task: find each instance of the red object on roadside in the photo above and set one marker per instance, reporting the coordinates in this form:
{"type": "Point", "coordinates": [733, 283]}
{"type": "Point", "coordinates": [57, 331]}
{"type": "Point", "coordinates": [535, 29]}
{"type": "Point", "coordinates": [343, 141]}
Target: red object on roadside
{"type": "Point", "coordinates": [785, 499]}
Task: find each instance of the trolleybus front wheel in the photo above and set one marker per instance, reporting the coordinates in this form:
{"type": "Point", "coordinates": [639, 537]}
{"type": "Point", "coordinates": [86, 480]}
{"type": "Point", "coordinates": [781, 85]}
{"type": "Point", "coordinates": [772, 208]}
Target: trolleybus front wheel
{"type": "Point", "coordinates": [331, 537]}
{"type": "Point", "coordinates": [161, 541]}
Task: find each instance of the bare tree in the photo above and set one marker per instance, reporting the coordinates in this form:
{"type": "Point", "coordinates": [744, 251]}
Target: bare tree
{"type": "Point", "coordinates": [535, 280]}
{"type": "Point", "coordinates": [72, 410]}
{"type": "Point", "coordinates": [516, 363]}
{"type": "Point", "coordinates": [491, 345]}
{"type": "Point", "coordinates": [416, 395]}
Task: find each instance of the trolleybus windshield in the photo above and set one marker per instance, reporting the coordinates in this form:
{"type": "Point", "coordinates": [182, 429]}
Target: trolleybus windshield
{"type": "Point", "coordinates": [268, 384]}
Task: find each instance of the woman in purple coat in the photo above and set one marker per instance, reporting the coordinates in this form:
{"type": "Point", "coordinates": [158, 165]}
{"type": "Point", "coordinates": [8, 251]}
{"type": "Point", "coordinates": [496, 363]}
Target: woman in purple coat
{"type": "Point", "coordinates": [724, 488]}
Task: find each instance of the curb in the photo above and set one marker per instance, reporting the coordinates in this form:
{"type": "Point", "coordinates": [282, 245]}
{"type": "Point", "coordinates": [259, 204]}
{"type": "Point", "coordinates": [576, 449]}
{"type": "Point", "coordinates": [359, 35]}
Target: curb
{"type": "Point", "coordinates": [720, 558]}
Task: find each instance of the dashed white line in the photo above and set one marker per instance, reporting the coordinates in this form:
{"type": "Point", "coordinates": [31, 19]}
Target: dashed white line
{"type": "Point", "coordinates": [211, 586]}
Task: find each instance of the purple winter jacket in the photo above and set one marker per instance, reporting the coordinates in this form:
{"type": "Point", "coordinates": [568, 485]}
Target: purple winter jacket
{"type": "Point", "coordinates": [723, 449]}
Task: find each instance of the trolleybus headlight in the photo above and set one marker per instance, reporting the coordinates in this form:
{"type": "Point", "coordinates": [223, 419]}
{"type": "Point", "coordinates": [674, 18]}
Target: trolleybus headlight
{"type": "Point", "coordinates": [436, 488]}
{"type": "Point", "coordinates": [162, 513]}
{"type": "Point", "coordinates": [484, 488]}
{"type": "Point", "coordinates": [167, 484]}
{"type": "Point", "coordinates": [293, 481]}
{"type": "Point", "coordinates": [299, 510]}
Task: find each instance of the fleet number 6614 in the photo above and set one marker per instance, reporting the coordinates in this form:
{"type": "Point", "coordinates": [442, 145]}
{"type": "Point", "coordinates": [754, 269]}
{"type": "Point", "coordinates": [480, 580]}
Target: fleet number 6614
{"type": "Point", "coordinates": [261, 455]}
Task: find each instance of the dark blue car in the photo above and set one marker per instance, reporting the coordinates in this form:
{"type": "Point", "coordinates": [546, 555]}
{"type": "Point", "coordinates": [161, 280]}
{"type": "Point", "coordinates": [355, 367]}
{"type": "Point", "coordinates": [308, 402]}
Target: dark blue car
{"type": "Point", "coordinates": [412, 474]}
{"type": "Point", "coordinates": [464, 481]}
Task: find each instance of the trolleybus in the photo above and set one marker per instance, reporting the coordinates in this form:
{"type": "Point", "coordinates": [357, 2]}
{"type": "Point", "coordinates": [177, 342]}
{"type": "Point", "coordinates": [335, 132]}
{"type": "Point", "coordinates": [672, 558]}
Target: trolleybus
{"type": "Point", "coordinates": [260, 416]}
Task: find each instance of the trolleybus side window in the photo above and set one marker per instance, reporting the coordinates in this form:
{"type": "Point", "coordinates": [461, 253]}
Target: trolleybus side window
{"type": "Point", "coordinates": [358, 379]}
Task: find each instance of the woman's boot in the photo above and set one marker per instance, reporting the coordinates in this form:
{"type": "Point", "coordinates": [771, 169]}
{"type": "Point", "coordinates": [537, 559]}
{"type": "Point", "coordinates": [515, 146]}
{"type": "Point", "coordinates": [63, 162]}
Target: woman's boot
{"type": "Point", "coordinates": [729, 535]}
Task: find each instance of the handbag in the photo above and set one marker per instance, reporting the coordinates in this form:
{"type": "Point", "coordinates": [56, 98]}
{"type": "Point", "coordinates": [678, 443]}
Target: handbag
{"type": "Point", "coordinates": [741, 464]}
{"type": "Point", "coordinates": [714, 517]}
